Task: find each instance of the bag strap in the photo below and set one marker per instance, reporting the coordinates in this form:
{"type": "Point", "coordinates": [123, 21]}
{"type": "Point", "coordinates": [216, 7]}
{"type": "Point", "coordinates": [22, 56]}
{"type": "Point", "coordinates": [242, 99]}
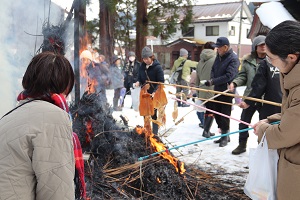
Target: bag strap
{"type": "Point", "coordinates": [181, 65]}
{"type": "Point", "coordinates": [18, 107]}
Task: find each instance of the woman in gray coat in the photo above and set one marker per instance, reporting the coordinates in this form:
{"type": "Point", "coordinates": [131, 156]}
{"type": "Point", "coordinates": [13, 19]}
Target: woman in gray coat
{"type": "Point", "coordinates": [117, 81]}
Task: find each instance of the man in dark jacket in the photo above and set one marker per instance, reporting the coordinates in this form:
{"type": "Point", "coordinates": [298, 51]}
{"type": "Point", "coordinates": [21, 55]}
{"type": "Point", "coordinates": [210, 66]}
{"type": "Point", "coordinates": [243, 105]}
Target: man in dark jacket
{"type": "Point", "coordinates": [131, 72]}
{"type": "Point", "coordinates": [150, 70]}
{"type": "Point", "coordinates": [224, 70]}
{"type": "Point", "coordinates": [245, 77]}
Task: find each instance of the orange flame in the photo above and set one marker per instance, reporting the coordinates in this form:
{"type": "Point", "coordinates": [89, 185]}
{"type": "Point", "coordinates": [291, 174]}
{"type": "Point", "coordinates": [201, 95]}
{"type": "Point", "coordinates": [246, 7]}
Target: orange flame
{"type": "Point", "coordinates": [158, 180]}
{"type": "Point", "coordinates": [158, 146]}
{"type": "Point", "coordinates": [89, 131]}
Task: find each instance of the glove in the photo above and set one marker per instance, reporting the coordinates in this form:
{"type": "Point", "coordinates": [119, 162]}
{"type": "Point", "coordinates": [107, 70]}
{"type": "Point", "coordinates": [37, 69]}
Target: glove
{"type": "Point", "coordinates": [208, 83]}
{"type": "Point", "coordinates": [202, 82]}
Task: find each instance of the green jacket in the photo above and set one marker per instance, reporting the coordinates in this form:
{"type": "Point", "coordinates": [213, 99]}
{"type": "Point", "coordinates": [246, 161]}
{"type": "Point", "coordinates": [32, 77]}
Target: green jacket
{"type": "Point", "coordinates": [207, 59]}
{"type": "Point", "coordinates": [247, 73]}
{"type": "Point", "coordinates": [186, 70]}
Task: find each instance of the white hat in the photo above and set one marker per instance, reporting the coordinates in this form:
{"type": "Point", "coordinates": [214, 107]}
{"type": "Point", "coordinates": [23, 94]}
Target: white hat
{"type": "Point", "coordinates": [86, 54]}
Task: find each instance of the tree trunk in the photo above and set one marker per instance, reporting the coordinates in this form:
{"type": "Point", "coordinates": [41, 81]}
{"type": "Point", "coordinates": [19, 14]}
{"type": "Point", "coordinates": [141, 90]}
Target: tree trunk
{"type": "Point", "coordinates": [141, 26]}
{"type": "Point", "coordinates": [107, 21]}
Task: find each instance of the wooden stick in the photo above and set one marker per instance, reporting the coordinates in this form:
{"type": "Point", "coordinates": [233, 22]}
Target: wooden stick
{"type": "Point", "coordinates": [211, 99]}
{"type": "Point", "coordinates": [222, 93]}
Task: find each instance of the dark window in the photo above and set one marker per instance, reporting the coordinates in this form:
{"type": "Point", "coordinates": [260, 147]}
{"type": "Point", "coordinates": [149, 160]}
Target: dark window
{"type": "Point", "coordinates": [189, 32]}
{"type": "Point", "coordinates": [232, 31]}
{"type": "Point", "coordinates": [212, 30]}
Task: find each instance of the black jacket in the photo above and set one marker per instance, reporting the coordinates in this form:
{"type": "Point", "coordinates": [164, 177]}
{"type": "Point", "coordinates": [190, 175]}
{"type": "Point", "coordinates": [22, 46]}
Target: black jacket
{"type": "Point", "coordinates": [131, 73]}
{"type": "Point", "coordinates": [224, 70]}
{"type": "Point", "coordinates": [153, 73]}
{"type": "Point", "coordinates": [266, 85]}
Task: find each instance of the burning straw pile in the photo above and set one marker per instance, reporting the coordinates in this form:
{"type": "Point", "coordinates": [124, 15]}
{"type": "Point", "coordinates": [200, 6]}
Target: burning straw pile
{"type": "Point", "coordinates": [114, 172]}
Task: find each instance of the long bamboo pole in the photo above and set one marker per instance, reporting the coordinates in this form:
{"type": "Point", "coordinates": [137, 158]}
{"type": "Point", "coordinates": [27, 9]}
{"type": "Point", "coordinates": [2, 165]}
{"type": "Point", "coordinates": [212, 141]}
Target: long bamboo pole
{"type": "Point", "coordinates": [222, 93]}
{"type": "Point", "coordinates": [212, 100]}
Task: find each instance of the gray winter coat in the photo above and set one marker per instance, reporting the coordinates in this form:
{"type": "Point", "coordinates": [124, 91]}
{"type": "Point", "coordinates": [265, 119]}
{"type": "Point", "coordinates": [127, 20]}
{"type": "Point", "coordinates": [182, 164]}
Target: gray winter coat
{"type": "Point", "coordinates": [117, 78]}
{"type": "Point", "coordinates": [207, 58]}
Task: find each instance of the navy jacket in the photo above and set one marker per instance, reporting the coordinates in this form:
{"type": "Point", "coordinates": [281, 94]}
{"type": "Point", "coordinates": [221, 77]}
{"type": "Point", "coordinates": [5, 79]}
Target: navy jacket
{"type": "Point", "coordinates": [224, 70]}
{"type": "Point", "coordinates": [266, 85]}
{"type": "Point", "coordinates": [153, 73]}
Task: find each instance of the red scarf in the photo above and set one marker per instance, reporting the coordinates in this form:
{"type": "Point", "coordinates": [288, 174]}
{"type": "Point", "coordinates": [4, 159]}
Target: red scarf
{"type": "Point", "coordinates": [60, 101]}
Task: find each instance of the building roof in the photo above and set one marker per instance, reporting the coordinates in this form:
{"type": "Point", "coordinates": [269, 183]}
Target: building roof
{"type": "Point", "coordinates": [190, 41]}
{"type": "Point", "coordinates": [213, 12]}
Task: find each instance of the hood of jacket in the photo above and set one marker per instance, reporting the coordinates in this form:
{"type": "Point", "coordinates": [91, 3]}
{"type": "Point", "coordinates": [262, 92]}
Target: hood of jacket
{"type": "Point", "coordinates": [207, 54]}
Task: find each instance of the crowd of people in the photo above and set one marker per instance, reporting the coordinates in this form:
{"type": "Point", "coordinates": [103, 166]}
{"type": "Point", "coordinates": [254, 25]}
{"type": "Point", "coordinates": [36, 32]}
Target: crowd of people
{"type": "Point", "coordinates": [41, 156]}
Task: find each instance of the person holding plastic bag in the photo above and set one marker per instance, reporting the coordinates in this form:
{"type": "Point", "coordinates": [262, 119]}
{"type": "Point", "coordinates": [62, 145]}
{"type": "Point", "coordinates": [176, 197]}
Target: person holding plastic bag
{"type": "Point", "coordinates": [283, 52]}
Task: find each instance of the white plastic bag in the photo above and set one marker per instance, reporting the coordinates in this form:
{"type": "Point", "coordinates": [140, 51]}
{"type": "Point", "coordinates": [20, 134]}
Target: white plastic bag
{"type": "Point", "coordinates": [262, 178]}
{"type": "Point", "coordinates": [135, 95]}
{"type": "Point", "coordinates": [198, 102]}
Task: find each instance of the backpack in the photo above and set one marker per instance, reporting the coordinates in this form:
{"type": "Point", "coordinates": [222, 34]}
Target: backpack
{"type": "Point", "coordinates": [176, 76]}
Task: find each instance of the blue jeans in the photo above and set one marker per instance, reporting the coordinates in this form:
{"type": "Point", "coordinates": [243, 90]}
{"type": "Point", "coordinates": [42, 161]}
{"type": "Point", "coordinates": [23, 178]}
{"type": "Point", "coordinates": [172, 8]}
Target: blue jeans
{"type": "Point", "coordinates": [200, 117]}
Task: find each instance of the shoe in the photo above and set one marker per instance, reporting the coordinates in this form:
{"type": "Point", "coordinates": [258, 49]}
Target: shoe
{"type": "Point", "coordinates": [200, 125]}
{"type": "Point", "coordinates": [207, 134]}
{"type": "Point", "coordinates": [208, 120]}
{"type": "Point", "coordinates": [240, 149]}
{"type": "Point", "coordinates": [185, 105]}
{"type": "Point", "coordinates": [219, 140]}
{"type": "Point", "coordinates": [117, 109]}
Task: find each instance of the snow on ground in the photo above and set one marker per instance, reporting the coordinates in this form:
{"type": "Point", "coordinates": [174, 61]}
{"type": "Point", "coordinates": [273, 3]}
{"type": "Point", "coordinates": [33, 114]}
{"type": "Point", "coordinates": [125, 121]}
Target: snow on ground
{"type": "Point", "coordinates": [206, 155]}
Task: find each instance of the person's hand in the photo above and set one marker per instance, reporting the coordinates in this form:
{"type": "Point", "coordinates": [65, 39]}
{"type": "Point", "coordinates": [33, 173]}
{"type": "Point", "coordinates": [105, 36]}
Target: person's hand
{"type": "Point", "coordinates": [258, 124]}
{"type": "Point", "coordinates": [202, 82]}
{"type": "Point", "coordinates": [136, 84]}
{"type": "Point", "coordinates": [208, 83]}
{"type": "Point", "coordinates": [243, 105]}
{"type": "Point", "coordinates": [231, 87]}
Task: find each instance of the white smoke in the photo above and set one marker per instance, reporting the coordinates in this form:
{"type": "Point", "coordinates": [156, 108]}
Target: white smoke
{"type": "Point", "coordinates": [17, 47]}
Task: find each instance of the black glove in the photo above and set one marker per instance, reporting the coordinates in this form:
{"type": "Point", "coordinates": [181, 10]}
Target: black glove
{"type": "Point", "coordinates": [208, 83]}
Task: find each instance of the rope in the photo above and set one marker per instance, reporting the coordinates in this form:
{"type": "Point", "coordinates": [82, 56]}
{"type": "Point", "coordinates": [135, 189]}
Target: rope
{"type": "Point", "coordinates": [195, 142]}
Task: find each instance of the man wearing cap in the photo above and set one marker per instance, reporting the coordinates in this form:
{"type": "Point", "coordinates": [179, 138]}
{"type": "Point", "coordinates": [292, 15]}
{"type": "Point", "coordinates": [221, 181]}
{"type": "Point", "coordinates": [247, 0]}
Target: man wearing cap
{"type": "Point", "coordinates": [224, 70]}
{"type": "Point", "coordinates": [117, 81]}
{"type": "Point", "coordinates": [151, 70]}
{"type": "Point", "coordinates": [183, 79]}
{"type": "Point", "coordinates": [245, 77]}
{"type": "Point", "coordinates": [130, 72]}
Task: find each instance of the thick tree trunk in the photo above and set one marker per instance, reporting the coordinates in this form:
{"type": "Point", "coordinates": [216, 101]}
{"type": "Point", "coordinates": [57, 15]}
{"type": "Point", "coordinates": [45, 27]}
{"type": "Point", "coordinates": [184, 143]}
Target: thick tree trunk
{"type": "Point", "coordinates": [107, 21]}
{"type": "Point", "coordinates": [141, 26]}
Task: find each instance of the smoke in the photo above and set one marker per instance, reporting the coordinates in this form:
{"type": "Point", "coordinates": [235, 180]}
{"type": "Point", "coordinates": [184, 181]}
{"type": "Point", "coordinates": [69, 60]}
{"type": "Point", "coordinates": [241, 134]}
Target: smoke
{"type": "Point", "coordinates": [21, 21]}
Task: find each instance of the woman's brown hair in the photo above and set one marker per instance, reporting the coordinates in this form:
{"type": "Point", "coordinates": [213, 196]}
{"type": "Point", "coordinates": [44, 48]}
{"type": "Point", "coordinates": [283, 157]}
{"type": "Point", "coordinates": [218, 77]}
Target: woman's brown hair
{"type": "Point", "coordinates": [48, 73]}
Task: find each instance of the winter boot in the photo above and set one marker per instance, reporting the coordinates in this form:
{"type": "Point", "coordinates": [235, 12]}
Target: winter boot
{"type": "Point", "coordinates": [185, 105]}
{"type": "Point", "coordinates": [219, 140]}
{"type": "Point", "coordinates": [240, 149]}
{"type": "Point", "coordinates": [208, 120]}
{"type": "Point", "coordinates": [115, 105]}
{"type": "Point", "coordinates": [224, 139]}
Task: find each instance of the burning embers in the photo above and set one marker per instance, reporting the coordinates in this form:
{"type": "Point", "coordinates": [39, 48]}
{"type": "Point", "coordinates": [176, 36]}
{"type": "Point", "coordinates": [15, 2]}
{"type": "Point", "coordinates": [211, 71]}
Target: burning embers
{"type": "Point", "coordinates": [158, 146]}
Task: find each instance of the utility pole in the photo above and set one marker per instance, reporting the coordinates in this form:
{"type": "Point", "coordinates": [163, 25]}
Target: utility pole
{"type": "Point", "coordinates": [76, 50]}
{"type": "Point", "coordinates": [240, 29]}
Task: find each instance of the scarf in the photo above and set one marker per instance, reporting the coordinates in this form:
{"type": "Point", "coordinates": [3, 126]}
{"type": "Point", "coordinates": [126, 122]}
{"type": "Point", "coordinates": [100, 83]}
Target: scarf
{"type": "Point", "coordinates": [60, 101]}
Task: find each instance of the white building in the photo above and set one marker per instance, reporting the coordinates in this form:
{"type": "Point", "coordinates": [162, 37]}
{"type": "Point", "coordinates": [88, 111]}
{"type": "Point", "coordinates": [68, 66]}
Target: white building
{"type": "Point", "coordinates": [208, 23]}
